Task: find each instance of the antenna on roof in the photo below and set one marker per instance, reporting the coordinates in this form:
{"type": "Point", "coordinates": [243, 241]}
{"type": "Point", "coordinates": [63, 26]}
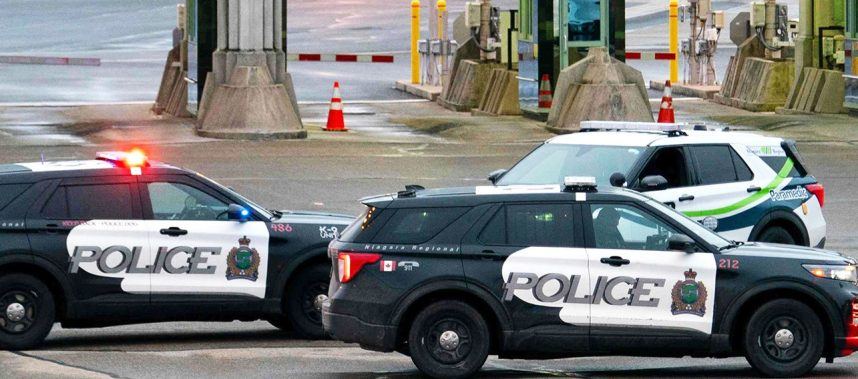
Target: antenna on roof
{"type": "Point", "coordinates": [42, 155]}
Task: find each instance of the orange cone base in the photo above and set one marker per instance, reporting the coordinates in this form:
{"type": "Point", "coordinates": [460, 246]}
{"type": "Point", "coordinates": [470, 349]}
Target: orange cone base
{"type": "Point", "coordinates": [335, 122]}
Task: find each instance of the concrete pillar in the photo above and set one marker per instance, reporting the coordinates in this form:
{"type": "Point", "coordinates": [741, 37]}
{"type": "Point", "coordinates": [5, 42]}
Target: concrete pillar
{"type": "Point", "coordinates": [804, 40]}
{"type": "Point", "coordinates": [250, 95]}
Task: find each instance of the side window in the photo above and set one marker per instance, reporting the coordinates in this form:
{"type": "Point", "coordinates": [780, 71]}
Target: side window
{"type": "Point", "coordinates": [539, 225]}
{"type": "Point", "coordinates": [625, 227]}
{"type": "Point", "coordinates": [743, 172]}
{"type": "Point", "coordinates": [176, 201]}
{"type": "Point", "coordinates": [90, 202]}
{"type": "Point", "coordinates": [671, 164]}
{"type": "Point", "coordinates": [494, 233]}
{"type": "Point", "coordinates": [714, 164]}
{"type": "Point", "coordinates": [417, 225]}
{"type": "Point", "coordinates": [9, 192]}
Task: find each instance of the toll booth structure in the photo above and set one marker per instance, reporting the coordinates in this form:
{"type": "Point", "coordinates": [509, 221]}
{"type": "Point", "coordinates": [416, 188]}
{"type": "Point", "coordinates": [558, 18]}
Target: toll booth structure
{"type": "Point", "coordinates": [202, 42]}
{"type": "Point", "coordinates": [554, 34]}
{"type": "Point", "coordinates": [851, 58]}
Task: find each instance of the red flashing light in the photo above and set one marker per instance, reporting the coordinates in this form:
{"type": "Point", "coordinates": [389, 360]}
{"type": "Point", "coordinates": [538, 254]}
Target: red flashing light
{"type": "Point", "coordinates": [350, 263]}
{"type": "Point", "coordinates": [818, 190]}
{"type": "Point", "coordinates": [135, 158]}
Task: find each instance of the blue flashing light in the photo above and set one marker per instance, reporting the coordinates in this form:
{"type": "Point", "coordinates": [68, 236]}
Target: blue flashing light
{"type": "Point", "coordinates": [245, 213]}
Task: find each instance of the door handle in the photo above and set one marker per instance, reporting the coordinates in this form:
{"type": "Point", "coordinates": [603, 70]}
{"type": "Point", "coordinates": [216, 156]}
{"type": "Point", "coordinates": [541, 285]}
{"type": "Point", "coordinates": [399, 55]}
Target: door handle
{"type": "Point", "coordinates": [686, 198]}
{"type": "Point", "coordinates": [51, 228]}
{"type": "Point", "coordinates": [488, 251]}
{"type": "Point", "coordinates": [754, 189]}
{"type": "Point", "coordinates": [174, 232]}
{"type": "Point", "coordinates": [615, 261]}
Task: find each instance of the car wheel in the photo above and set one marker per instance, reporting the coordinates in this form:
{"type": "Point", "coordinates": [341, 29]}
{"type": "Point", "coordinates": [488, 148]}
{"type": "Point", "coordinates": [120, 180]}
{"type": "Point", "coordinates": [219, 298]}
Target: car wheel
{"type": "Point", "coordinates": [449, 339]}
{"type": "Point", "coordinates": [776, 234]}
{"type": "Point", "coordinates": [304, 299]}
{"type": "Point", "coordinates": [27, 312]}
{"type": "Point", "coordinates": [784, 338]}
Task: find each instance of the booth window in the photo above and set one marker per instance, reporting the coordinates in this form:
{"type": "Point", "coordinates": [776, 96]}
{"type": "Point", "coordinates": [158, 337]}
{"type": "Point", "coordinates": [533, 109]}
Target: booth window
{"type": "Point", "coordinates": [585, 20]}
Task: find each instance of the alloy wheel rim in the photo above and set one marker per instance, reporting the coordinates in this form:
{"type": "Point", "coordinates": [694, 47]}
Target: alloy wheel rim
{"type": "Point", "coordinates": [784, 339]}
{"type": "Point", "coordinates": [449, 341]}
{"type": "Point", "coordinates": [311, 303]}
{"type": "Point", "coordinates": [17, 311]}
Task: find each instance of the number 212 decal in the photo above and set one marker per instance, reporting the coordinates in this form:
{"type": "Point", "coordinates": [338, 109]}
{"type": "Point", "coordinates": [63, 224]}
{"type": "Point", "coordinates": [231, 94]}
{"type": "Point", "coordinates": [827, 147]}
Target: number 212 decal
{"type": "Point", "coordinates": [728, 264]}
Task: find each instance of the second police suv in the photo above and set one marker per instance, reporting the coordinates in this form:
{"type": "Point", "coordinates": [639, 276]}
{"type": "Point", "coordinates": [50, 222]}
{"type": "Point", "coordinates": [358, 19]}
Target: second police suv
{"type": "Point", "coordinates": [744, 186]}
{"type": "Point", "coordinates": [120, 240]}
{"type": "Point", "coordinates": [450, 276]}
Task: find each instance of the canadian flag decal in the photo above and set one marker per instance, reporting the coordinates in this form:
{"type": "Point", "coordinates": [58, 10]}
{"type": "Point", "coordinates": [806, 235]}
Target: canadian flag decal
{"type": "Point", "coordinates": [387, 266]}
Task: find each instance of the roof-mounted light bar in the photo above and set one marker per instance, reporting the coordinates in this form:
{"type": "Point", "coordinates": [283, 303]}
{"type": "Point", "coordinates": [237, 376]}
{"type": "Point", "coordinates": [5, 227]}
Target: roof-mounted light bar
{"type": "Point", "coordinates": [134, 158]}
{"type": "Point", "coordinates": [631, 126]}
{"type": "Point", "coordinates": [579, 183]}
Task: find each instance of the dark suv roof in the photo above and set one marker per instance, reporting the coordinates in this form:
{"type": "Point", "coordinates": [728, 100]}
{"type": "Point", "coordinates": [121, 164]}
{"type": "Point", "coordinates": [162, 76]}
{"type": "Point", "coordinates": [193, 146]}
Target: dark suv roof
{"type": "Point", "coordinates": [36, 171]}
{"type": "Point", "coordinates": [471, 196]}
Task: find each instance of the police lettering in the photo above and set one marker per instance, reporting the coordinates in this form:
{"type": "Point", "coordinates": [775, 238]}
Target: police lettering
{"type": "Point", "coordinates": [636, 290]}
{"type": "Point", "coordinates": [177, 260]}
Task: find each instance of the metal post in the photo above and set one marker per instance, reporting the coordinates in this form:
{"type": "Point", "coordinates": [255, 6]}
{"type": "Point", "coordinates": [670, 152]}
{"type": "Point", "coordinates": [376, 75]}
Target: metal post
{"type": "Point", "coordinates": [673, 21]}
{"type": "Point", "coordinates": [415, 37]}
{"type": "Point", "coordinates": [485, 27]}
{"type": "Point", "coordinates": [442, 35]}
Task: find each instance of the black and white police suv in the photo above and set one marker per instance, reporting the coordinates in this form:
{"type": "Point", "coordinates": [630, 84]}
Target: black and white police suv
{"type": "Point", "coordinates": [745, 186]}
{"type": "Point", "coordinates": [122, 240]}
{"type": "Point", "coordinates": [450, 276]}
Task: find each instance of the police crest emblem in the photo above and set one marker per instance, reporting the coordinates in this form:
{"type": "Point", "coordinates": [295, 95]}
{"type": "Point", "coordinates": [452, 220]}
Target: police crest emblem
{"type": "Point", "coordinates": [242, 262]}
{"type": "Point", "coordinates": [689, 296]}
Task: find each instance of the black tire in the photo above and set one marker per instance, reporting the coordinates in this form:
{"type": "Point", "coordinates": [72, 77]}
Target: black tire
{"type": "Point", "coordinates": [777, 234]}
{"type": "Point", "coordinates": [463, 359]}
{"type": "Point", "coordinates": [774, 360]}
{"type": "Point", "coordinates": [24, 293]}
{"type": "Point", "coordinates": [302, 311]}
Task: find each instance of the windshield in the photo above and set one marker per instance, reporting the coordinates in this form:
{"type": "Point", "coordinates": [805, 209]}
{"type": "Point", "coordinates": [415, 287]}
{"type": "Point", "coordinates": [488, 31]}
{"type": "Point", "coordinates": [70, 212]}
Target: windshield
{"type": "Point", "coordinates": [707, 235]}
{"type": "Point", "coordinates": [258, 208]}
{"type": "Point", "coordinates": [550, 163]}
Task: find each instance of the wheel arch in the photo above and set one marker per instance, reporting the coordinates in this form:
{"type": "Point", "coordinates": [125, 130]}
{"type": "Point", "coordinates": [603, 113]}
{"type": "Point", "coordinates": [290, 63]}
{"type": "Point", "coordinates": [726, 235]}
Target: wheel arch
{"type": "Point", "coordinates": [785, 219]}
{"type": "Point", "coordinates": [740, 312]}
{"type": "Point", "coordinates": [312, 255]}
{"type": "Point", "coordinates": [477, 297]}
{"type": "Point", "coordinates": [45, 272]}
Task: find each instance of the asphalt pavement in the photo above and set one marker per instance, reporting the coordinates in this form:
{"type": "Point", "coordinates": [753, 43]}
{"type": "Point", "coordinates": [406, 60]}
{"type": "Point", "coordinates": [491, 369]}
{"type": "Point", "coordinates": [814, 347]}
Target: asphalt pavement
{"type": "Point", "coordinates": [330, 171]}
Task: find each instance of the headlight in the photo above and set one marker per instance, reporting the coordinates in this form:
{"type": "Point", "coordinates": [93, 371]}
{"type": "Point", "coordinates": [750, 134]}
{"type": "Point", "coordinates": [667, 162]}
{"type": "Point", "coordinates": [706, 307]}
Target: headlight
{"type": "Point", "coordinates": [846, 273]}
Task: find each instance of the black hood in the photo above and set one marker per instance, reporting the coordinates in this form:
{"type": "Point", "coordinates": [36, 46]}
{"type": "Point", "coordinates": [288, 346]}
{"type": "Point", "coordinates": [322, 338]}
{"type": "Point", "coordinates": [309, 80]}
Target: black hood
{"type": "Point", "coordinates": [759, 249]}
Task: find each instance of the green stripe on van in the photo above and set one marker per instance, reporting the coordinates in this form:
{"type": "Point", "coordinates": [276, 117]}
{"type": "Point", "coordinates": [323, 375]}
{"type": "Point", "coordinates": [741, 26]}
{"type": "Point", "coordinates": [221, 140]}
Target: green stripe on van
{"type": "Point", "coordinates": [783, 174]}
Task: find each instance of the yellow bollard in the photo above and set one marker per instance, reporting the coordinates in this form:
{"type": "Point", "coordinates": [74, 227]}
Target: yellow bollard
{"type": "Point", "coordinates": [415, 37]}
{"type": "Point", "coordinates": [442, 30]}
{"type": "Point", "coordinates": [673, 24]}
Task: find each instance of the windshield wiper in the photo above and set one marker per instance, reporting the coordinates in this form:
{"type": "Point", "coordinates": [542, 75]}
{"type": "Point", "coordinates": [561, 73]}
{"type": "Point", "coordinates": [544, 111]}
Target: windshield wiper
{"type": "Point", "coordinates": [731, 245]}
{"type": "Point", "coordinates": [276, 213]}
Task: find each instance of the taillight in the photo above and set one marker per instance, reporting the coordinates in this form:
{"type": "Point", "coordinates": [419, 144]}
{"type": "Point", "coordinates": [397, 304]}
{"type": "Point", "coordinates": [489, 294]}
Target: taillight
{"type": "Point", "coordinates": [349, 263]}
{"type": "Point", "coordinates": [855, 312]}
{"type": "Point", "coordinates": [818, 190]}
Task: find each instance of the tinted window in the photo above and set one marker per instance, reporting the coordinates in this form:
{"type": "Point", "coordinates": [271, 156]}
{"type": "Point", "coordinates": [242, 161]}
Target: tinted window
{"type": "Point", "coordinates": [539, 225]}
{"type": "Point", "coordinates": [714, 164]}
{"type": "Point", "coordinates": [494, 233]}
{"type": "Point", "coordinates": [90, 202]}
{"type": "Point", "coordinates": [670, 164]}
{"type": "Point", "coordinates": [743, 172]}
{"type": "Point", "coordinates": [624, 227]}
{"type": "Point", "coordinates": [9, 192]}
{"type": "Point", "coordinates": [417, 225]}
{"type": "Point", "coordinates": [777, 164]}
{"type": "Point", "coordinates": [176, 201]}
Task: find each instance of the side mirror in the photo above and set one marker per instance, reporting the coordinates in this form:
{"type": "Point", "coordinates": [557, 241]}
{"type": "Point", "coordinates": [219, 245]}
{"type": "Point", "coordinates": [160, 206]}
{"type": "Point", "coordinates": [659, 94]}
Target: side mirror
{"type": "Point", "coordinates": [238, 213]}
{"type": "Point", "coordinates": [496, 175]}
{"type": "Point", "coordinates": [681, 242]}
{"type": "Point", "coordinates": [653, 183]}
{"type": "Point", "coordinates": [617, 179]}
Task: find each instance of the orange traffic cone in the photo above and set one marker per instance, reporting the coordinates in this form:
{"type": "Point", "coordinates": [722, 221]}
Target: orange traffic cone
{"type": "Point", "coordinates": [545, 98]}
{"type": "Point", "coordinates": [665, 114]}
{"type": "Point", "coordinates": [336, 123]}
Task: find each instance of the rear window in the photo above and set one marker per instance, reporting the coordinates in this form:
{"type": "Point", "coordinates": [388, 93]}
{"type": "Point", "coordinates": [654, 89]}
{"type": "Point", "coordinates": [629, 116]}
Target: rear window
{"type": "Point", "coordinates": [776, 158]}
{"type": "Point", "coordinates": [9, 192]}
{"type": "Point", "coordinates": [90, 202]}
{"type": "Point", "coordinates": [417, 225]}
{"type": "Point", "coordinates": [361, 223]}
{"type": "Point", "coordinates": [530, 225]}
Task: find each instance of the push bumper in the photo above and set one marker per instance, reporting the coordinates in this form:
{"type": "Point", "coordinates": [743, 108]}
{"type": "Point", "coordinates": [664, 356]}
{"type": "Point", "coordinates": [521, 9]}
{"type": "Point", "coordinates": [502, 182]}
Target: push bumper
{"type": "Point", "coordinates": [351, 329]}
